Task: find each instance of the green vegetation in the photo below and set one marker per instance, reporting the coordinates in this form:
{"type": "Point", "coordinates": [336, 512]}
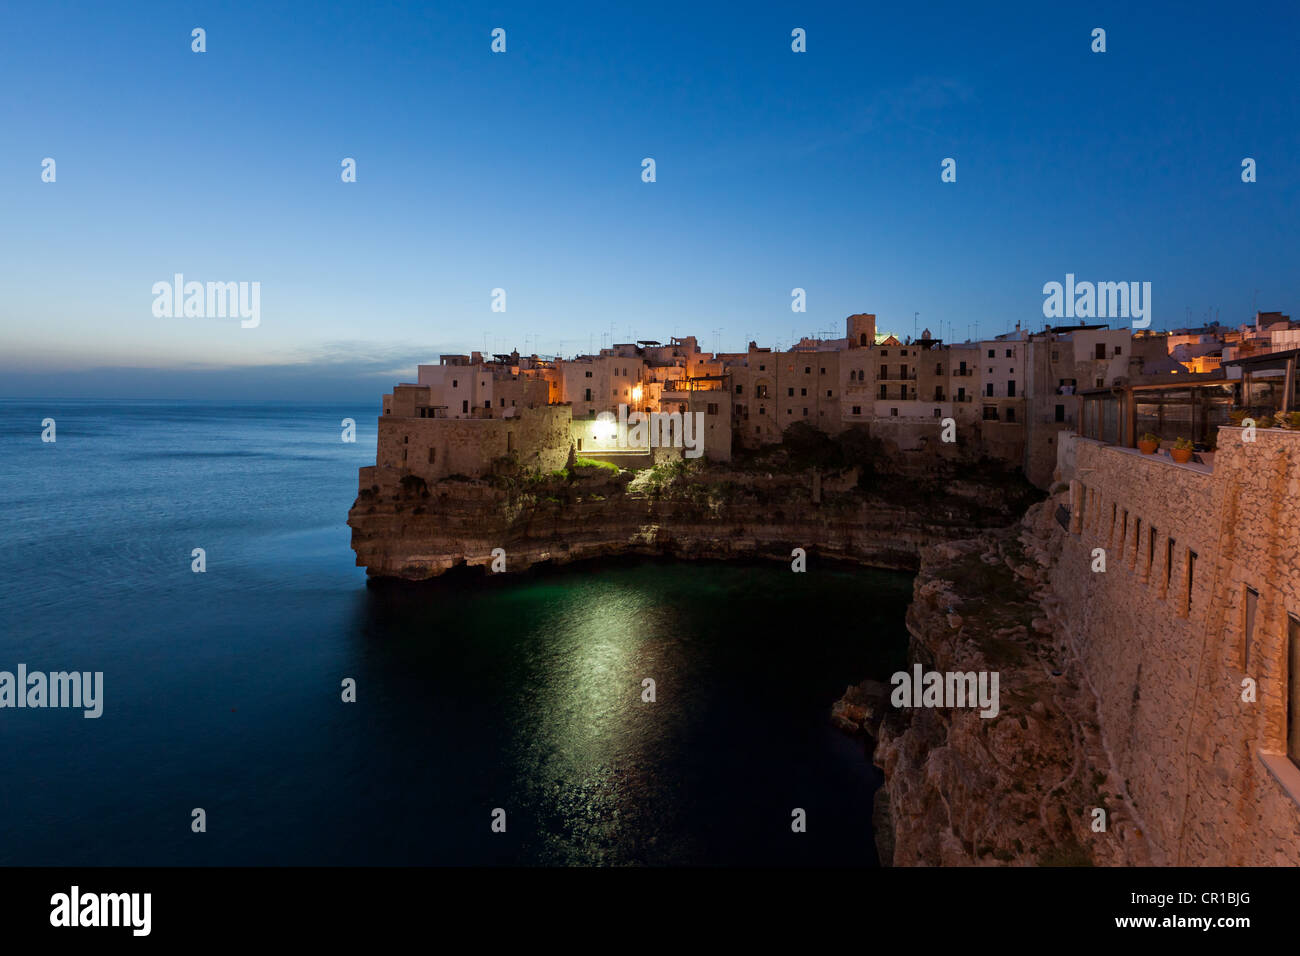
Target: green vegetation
{"type": "Point", "coordinates": [592, 463]}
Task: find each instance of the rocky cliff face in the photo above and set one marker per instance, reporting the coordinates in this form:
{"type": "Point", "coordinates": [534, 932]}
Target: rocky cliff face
{"type": "Point", "coordinates": [1018, 788]}
{"type": "Point", "coordinates": [405, 528]}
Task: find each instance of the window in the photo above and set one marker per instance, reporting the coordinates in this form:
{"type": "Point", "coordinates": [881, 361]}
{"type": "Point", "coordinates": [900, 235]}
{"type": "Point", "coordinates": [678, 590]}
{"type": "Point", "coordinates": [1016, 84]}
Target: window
{"type": "Point", "coordinates": [789, 393]}
{"type": "Point", "coordinates": [762, 391]}
{"type": "Point", "coordinates": [464, 406]}
{"type": "Point", "coordinates": [857, 409]}
{"type": "Point", "coordinates": [805, 413]}
{"type": "Point", "coordinates": [587, 395]}
{"type": "Point", "coordinates": [1011, 414]}
{"type": "Point", "coordinates": [936, 413]}
{"type": "Point", "coordinates": [455, 383]}
{"type": "Point", "coordinates": [1151, 548]}
{"type": "Point", "coordinates": [884, 392]}
{"type": "Point", "coordinates": [712, 408]}
{"type": "Point", "coordinates": [1056, 356]}
{"type": "Point", "coordinates": [1060, 413]}
{"type": "Point", "coordinates": [588, 374]}
{"type": "Point", "coordinates": [789, 411]}
{"type": "Point", "coordinates": [990, 353]}
{"type": "Point", "coordinates": [803, 392]}
{"type": "Point", "coordinates": [1011, 388]}
{"type": "Point", "coordinates": [1293, 698]}
{"type": "Point", "coordinates": [762, 368]}
{"type": "Point", "coordinates": [807, 369]}
{"type": "Point", "coordinates": [487, 403]}
{"type": "Point", "coordinates": [829, 393]}
{"type": "Point", "coordinates": [1249, 607]}
{"type": "Point", "coordinates": [740, 390]}
{"type": "Point", "coordinates": [503, 403]}
{"type": "Point", "coordinates": [1100, 351]}
{"type": "Point", "coordinates": [1008, 353]}
{"type": "Point", "coordinates": [1101, 383]}
{"type": "Point", "coordinates": [1118, 350]}
{"type": "Point", "coordinates": [902, 371]}
{"type": "Point", "coordinates": [884, 353]}
{"type": "Point", "coordinates": [823, 371]}
{"type": "Point", "coordinates": [431, 456]}
{"type": "Point", "coordinates": [1191, 577]}
{"type": "Point", "coordinates": [1169, 565]}
{"type": "Point", "coordinates": [988, 389]}
{"type": "Point", "coordinates": [762, 409]}
{"type": "Point", "coordinates": [938, 368]}
{"type": "Point", "coordinates": [893, 412]}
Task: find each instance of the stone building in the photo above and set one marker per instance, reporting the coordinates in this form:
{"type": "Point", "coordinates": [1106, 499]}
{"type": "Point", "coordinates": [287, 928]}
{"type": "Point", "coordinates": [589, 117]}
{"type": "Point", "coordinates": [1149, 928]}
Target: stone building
{"type": "Point", "coordinates": [1190, 636]}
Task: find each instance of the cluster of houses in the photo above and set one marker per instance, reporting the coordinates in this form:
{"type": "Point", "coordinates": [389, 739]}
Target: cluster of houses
{"type": "Point", "coordinates": [1010, 396]}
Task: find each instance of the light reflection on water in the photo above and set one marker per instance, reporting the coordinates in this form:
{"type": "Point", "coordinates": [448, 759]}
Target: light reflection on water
{"type": "Point", "coordinates": [222, 689]}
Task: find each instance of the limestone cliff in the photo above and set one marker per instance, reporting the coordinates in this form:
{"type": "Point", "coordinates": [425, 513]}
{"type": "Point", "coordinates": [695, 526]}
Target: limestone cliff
{"type": "Point", "coordinates": [405, 528]}
{"type": "Point", "coordinates": [1018, 788]}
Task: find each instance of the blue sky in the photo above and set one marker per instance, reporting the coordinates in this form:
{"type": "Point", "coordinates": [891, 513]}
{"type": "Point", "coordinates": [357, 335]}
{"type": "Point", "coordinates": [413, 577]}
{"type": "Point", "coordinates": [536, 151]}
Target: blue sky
{"type": "Point", "coordinates": [522, 171]}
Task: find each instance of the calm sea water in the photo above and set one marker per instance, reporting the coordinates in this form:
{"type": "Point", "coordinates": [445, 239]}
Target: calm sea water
{"type": "Point", "coordinates": [222, 689]}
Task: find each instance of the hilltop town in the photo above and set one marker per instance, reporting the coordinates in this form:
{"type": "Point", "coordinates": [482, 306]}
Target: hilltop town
{"type": "Point", "coordinates": [1144, 618]}
{"type": "Point", "coordinates": [1010, 397]}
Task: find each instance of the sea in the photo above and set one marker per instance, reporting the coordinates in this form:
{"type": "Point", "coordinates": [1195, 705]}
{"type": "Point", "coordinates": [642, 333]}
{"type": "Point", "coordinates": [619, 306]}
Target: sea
{"type": "Point", "coordinates": [497, 720]}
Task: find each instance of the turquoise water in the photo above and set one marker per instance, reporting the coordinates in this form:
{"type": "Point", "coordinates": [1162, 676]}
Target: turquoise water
{"type": "Point", "coordinates": [222, 689]}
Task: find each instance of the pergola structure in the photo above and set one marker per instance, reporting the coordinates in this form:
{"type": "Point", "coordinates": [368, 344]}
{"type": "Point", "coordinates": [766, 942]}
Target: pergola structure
{"type": "Point", "coordinates": [1191, 406]}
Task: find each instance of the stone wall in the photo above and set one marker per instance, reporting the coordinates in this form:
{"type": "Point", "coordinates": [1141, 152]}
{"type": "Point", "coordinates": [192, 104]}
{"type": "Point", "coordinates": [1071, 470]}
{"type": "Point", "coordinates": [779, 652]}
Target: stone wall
{"type": "Point", "coordinates": [434, 448]}
{"type": "Point", "coordinates": [1160, 634]}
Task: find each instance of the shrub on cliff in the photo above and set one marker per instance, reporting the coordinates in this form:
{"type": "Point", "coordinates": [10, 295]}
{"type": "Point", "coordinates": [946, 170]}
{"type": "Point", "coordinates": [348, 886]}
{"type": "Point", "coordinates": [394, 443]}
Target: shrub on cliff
{"type": "Point", "coordinates": [809, 447]}
{"type": "Point", "coordinates": [415, 485]}
{"type": "Point", "coordinates": [860, 449]}
{"type": "Point", "coordinates": [592, 463]}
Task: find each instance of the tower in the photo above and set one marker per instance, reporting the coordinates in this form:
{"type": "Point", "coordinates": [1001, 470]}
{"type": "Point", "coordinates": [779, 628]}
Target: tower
{"type": "Point", "coordinates": [861, 330]}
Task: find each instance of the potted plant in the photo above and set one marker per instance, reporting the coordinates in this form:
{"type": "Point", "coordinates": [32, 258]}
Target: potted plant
{"type": "Point", "coordinates": [1289, 421]}
{"type": "Point", "coordinates": [1148, 443]}
{"type": "Point", "coordinates": [1237, 416]}
{"type": "Point", "coordinates": [1182, 451]}
{"type": "Point", "coordinates": [1265, 421]}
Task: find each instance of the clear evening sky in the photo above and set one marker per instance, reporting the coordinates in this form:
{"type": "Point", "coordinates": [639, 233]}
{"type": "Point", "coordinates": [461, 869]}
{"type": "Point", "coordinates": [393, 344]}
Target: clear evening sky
{"type": "Point", "coordinates": [522, 170]}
